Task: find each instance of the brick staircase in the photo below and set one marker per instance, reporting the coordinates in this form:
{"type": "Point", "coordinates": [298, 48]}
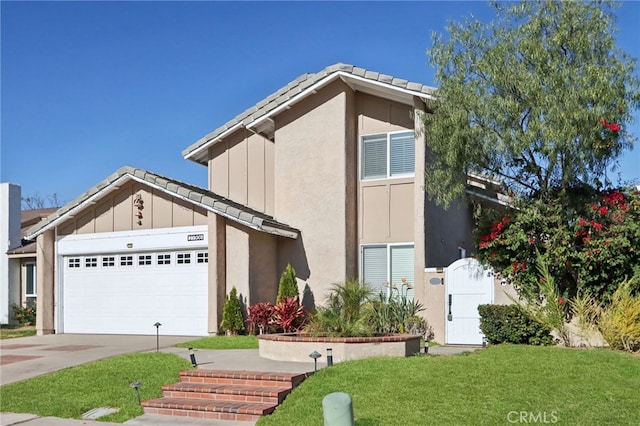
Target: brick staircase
{"type": "Point", "coordinates": [224, 394]}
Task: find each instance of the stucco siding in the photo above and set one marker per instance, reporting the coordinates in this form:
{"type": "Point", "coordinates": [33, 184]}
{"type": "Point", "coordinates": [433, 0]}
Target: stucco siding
{"type": "Point", "coordinates": [310, 185]}
{"type": "Point", "coordinates": [237, 268]}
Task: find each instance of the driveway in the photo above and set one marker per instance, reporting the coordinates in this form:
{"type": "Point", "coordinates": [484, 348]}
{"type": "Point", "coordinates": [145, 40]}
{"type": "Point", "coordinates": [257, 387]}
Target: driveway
{"type": "Point", "coordinates": [28, 357]}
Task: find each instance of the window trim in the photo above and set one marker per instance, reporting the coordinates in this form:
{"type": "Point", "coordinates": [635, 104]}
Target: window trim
{"type": "Point", "coordinates": [388, 159]}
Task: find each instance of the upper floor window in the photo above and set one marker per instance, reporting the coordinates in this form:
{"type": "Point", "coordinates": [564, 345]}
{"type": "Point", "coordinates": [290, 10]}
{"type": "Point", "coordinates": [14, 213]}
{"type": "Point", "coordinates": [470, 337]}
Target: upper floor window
{"type": "Point", "coordinates": [387, 155]}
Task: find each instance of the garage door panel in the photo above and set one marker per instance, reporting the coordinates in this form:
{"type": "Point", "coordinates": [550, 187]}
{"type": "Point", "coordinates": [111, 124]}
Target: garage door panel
{"type": "Point", "coordinates": [129, 299]}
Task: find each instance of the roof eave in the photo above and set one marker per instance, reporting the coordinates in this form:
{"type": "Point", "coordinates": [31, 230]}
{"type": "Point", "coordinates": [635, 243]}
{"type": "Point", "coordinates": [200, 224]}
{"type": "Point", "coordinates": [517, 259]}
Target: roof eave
{"type": "Point", "coordinates": [197, 151]}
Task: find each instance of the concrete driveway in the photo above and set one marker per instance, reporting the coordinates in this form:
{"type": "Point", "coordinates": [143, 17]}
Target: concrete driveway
{"type": "Point", "coordinates": [28, 357]}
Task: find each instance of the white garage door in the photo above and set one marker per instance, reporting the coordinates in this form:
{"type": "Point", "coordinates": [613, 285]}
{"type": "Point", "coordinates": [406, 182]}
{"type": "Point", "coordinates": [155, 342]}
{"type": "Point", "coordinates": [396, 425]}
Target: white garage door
{"type": "Point", "coordinates": [128, 292]}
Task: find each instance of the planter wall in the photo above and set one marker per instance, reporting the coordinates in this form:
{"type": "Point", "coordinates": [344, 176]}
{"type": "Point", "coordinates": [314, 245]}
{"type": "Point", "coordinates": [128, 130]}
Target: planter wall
{"type": "Point", "coordinates": [297, 347]}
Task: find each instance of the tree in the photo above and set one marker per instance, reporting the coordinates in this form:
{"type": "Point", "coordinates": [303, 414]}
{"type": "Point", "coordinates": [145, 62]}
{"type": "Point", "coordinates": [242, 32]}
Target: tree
{"type": "Point", "coordinates": [288, 286]}
{"type": "Point", "coordinates": [539, 98]}
{"type": "Point", "coordinates": [37, 201]}
{"type": "Point", "coordinates": [590, 245]}
{"type": "Point", "coordinates": [232, 319]}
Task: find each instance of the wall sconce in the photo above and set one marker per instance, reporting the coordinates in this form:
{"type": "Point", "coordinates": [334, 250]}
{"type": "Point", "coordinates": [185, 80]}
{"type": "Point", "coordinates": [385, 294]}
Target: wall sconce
{"type": "Point", "coordinates": [315, 355]}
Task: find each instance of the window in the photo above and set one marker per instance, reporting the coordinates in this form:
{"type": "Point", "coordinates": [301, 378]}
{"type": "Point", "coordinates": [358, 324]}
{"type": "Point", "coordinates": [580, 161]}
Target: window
{"type": "Point", "coordinates": [144, 259]}
{"type": "Point", "coordinates": [90, 262]}
{"type": "Point", "coordinates": [183, 258]}
{"type": "Point", "coordinates": [164, 259]}
{"type": "Point", "coordinates": [108, 261]}
{"type": "Point", "coordinates": [126, 260]}
{"type": "Point", "coordinates": [30, 280]}
{"type": "Point", "coordinates": [388, 269]}
{"type": "Point", "coordinates": [202, 257]}
{"type": "Point", "coordinates": [387, 155]}
{"type": "Point", "coordinates": [74, 262]}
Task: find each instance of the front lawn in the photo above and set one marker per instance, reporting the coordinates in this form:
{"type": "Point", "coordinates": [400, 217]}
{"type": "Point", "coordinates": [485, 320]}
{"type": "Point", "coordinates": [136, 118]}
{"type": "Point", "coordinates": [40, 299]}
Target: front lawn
{"type": "Point", "coordinates": [493, 386]}
{"type": "Point", "coordinates": [70, 393]}
{"type": "Point", "coordinates": [12, 331]}
{"type": "Point", "coordinates": [222, 342]}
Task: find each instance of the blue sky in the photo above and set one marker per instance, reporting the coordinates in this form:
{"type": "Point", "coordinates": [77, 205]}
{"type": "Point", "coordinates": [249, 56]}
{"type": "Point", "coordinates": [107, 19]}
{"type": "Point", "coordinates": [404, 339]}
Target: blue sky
{"type": "Point", "coordinates": [88, 87]}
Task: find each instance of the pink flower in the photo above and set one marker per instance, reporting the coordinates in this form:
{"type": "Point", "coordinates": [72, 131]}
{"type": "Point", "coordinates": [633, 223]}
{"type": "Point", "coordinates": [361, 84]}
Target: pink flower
{"type": "Point", "coordinates": [561, 300]}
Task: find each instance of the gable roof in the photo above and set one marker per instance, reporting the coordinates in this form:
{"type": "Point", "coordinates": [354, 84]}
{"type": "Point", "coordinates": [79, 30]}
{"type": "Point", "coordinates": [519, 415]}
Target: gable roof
{"type": "Point", "coordinates": [190, 193]}
{"type": "Point", "coordinates": [257, 118]}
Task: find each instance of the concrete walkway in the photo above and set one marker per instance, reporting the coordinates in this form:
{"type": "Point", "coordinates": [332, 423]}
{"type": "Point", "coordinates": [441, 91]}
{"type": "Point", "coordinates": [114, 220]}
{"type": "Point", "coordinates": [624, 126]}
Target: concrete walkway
{"type": "Point", "coordinates": [27, 357]}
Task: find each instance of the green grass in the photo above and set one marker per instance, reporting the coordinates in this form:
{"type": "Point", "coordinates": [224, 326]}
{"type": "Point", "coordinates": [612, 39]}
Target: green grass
{"type": "Point", "coordinates": [70, 393]}
{"type": "Point", "coordinates": [13, 331]}
{"type": "Point", "coordinates": [222, 342]}
{"type": "Point", "coordinates": [575, 386]}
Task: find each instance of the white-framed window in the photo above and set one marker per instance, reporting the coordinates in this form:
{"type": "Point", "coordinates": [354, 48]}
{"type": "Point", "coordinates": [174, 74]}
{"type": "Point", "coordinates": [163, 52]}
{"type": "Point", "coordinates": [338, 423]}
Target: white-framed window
{"type": "Point", "coordinates": [183, 258]}
{"type": "Point", "coordinates": [73, 262]}
{"type": "Point", "coordinates": [387, 155]}
{"type": "Point", "coordinates": [144, 259]}
{"type": "Point", "coordinates": [126, 260]}
{"type": "Point", "coordinates": [388, 269]}
{"type": "Point", "coordinates": [202, 257]}
{"type": "Point", "coordinates": [108, 261]}
{"type": "Point", "coordinates": [164, 259]}
{"type": "Point", "coordinates": [30, 288]}
{"type": "Point", "coordinates": [90, 262]}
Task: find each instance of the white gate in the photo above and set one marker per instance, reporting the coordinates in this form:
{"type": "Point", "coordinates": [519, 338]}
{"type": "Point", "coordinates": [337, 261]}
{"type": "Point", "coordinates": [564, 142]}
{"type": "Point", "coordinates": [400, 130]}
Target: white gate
{"type": "Point", "coordinates": [468, 285]}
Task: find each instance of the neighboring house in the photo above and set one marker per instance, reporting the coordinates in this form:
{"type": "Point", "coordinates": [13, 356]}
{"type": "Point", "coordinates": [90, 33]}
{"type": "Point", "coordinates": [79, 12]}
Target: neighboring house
{"type": "Point", "coordinates": [18, 281]}
{"type": "Point", "coordinates": [325, 174]}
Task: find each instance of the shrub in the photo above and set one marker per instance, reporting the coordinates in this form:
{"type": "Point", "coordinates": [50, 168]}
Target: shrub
{"type": "Point", "coordinates": [546, 305]}
{"type": "Point", "coordinates": [232, 319]}
{"type": "Point", "coordinates": [288, 286]}
{"type": "Point", "coordinates": [25, 315]}
{"type": "Point", "coordinates": [288, 314]}
{"type": "Point", "coordinates": [260, 318]}
{"type": "Point", "coordinates": [511, 324]}
{"type": "Point", "coordinates": [619, 322]}
{"type": "Point", "coordinates": [344, 314]}
{"type": "Point", "coordinates": [393, 315]}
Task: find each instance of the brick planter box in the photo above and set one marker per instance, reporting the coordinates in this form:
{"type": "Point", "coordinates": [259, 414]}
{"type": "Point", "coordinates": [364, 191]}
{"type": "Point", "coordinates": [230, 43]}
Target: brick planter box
{"type": "Point", "coordinates": [297, 347]}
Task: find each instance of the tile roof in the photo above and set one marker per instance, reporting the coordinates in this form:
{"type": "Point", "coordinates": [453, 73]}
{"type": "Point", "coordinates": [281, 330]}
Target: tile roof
{"type": "Point", "coordinates": [299, 88]}
{"type": "Point", "coordinates": [191, 193]}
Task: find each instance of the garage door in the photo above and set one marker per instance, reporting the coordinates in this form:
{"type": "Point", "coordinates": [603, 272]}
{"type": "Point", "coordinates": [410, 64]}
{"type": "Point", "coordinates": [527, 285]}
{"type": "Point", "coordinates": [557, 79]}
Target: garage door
{"type": "Point", "coordinates": [128, 293]}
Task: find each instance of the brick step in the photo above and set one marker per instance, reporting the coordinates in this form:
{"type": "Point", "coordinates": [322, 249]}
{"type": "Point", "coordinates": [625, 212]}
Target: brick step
{"type": "Point", "coordinates": [242, 377]}
{"type": "Point", "coordinates": [224, 392]}
{"type": "Point", "coordinates": [207, 409]}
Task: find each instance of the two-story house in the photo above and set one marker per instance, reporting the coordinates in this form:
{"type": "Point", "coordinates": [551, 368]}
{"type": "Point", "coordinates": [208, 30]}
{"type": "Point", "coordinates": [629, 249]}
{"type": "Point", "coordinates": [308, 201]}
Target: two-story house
{"type": "Point", "coordinates": [325, 174]}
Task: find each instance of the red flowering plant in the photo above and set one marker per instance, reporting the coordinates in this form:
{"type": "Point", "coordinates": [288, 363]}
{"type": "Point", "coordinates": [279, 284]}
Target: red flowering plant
{"type": "Point", "coordinates": [589, 239]}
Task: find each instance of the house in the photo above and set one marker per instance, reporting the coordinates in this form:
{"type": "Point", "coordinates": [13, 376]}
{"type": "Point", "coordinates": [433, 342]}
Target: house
{"type": "Point", "coordinates": [18, 257]}
{"type": "Point", "coordinates": [324, 174]}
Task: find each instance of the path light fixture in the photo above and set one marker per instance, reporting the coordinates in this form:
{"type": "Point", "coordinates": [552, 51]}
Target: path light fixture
{"type": "Point", "coordinates": [136, 386]}
{"type": "Point", "coordinates": [329, 357]}
{"type": "Point", "coordinates": [157, 326]}
{"type": "Point", "coordinates": [484, 341]}
{"type": "Point", "coordinates": [192, 355]}
{"type": "Point", "coordinates": [315, 355]}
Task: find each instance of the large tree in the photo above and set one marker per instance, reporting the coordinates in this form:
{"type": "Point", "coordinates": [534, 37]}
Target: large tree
{"type": "Point", "coordinates": [540, 98]}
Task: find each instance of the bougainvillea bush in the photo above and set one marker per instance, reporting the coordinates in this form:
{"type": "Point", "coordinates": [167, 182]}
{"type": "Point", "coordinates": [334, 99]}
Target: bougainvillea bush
{"type": "Point", "coordinates": [589, 239]}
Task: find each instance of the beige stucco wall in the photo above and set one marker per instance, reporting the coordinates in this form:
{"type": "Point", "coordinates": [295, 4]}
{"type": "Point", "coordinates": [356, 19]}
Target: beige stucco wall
{"type": "Point", "coordinates": [311, 187]}
{"type": "Point", "coordinates": [116, 212]}
{"type": "Point", "coordinates": [217, 270]}
{"type": "Point", "coordinates": [45, 257]}
{"type": "Point", "coordinates": [241, 168]}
